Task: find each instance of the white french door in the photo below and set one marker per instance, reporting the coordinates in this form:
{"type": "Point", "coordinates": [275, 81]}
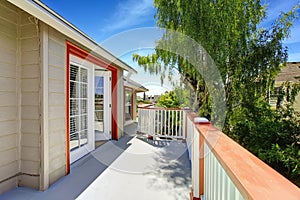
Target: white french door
{"type": "Point", "coordinates": [102, 87]}
{"type": "Point", "coordinates": [81, 111]}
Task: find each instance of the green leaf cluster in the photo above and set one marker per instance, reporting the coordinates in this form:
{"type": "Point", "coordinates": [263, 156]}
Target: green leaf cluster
{"type": "Point", "coordinates": [272, 135]}
{"type": "Point", "coordinates": [168, 100]}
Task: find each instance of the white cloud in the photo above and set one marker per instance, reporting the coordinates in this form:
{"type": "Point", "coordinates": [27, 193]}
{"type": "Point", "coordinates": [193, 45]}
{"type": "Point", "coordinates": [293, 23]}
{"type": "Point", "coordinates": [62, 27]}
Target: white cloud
{"type": "Point", "coordinates": [129, 13]}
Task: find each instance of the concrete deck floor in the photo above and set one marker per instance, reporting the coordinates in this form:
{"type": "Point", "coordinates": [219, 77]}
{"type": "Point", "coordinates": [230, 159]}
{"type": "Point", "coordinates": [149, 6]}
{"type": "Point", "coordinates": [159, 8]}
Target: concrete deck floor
{"type": "Point", "coordinates": [131, 168]}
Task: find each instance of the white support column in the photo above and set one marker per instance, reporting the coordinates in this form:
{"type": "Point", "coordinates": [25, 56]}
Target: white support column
{"type": "Point", "coordinates": [44, 178]}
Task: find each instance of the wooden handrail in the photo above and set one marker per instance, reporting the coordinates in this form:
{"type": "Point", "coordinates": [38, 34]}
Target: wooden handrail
{"type": "Point", "coordinates": [253, 178]}
{"type": "Point", "coordinates": [163, 108]}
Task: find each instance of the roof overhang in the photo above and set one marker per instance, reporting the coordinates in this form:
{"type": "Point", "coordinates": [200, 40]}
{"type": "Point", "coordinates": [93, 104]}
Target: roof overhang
{"type": "Point", "coordinates": [134, 85]}
{"type": "Point", "coordinates": [48, 16]}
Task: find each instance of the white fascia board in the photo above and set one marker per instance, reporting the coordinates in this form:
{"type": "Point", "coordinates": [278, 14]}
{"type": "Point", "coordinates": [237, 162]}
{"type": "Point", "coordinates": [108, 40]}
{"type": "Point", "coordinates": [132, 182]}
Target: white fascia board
{"type": "Point", "coordinates": [134, 85]}
{"type": "Point", "coordinates": [45, 14]}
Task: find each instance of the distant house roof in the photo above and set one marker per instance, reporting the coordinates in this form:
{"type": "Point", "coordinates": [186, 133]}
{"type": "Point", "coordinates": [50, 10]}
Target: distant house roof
{"type": "Point", "coordinates": [136, 86]}
{"type": "Point", "coordinates": [48, 16]}
{"type": "Point", "coordinates": [290, 73]}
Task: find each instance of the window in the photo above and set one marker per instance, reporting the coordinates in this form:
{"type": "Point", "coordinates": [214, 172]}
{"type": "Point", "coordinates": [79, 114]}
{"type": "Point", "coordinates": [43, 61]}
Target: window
{"type": "Point", "coordinates": [128, 104]}
{"type": "Point", "coordinates": [78, 106]}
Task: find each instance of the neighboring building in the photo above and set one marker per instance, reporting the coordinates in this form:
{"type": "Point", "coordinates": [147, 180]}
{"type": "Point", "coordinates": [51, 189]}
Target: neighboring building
{"type": "Point", "coordinates": [59, 93]}
{"type": "Point", "coordinates": [131, 88]}
{"type": "Point", "coordinates": [152, 98]}
{"type": "Point", "coordinates": [290, 73]}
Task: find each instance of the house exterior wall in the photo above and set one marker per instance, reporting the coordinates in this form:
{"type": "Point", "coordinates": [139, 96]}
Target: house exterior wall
{"type": "Point", "coordinates": [33, 101]}
{"type": "Point", "coordinates": [57, 104]}
{"type": "Point", "coordinates": [57, 108]}
{"type": "Point", "coordinates": [120, 91]}
{"type": "Point", "coordinates": [134, 106]}
{"type": "Point", "coordinates": [30, 104]}
{"type": "Point", "coordinates": [9, 98]}
{"type": "Point", "coordinates": [19, 99]}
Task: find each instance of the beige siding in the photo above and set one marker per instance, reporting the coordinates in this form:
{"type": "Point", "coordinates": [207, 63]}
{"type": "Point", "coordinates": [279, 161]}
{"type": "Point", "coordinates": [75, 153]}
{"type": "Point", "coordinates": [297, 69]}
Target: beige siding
{"type": "Point", "coordinates": [6, 69]}
{"type": "Point", "coordinates": [29, 181]}
{"type": "Point", "coordinates": [30, 104]}
{"type": "Point", "coordinates": [7, 84]}
{"type": "Point", "coordinates": [19, 99]}
{"type": "Point", "coordinates": [57, 105]}
{"type": "Point", "coordinates": [9, 158]}
{"type": "Point", "coordinates": [57, 174]}
{"type": "Point", "coordinates": [9, 184]}
{"type": "Point", "coordinates": [7, 128]}
{"type": "Point", "coordinates": [30, 167]}
{"type": "Point", "coordinates": [120, 103]}
{"type": "Point", "coordinates": [134, 105]}
{"type": "Point", "coordinates": [10, 170]}
{"type": "Point", "coordinates": [8, 27]}
{"type": "Point", "coordinates": [10, 12]}
{"type": "Point", "coordinates": [8, 142]}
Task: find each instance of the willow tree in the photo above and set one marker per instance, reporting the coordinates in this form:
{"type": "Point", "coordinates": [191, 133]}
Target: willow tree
{"type": "Point", "coordinates": [247, 56]}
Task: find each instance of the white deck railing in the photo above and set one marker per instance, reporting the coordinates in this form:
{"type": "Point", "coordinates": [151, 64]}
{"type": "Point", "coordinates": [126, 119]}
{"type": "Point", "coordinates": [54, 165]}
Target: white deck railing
{"type": "Point", "coordinates": [221, 168]}
{"type": "Point", "coordinates": [164, 123]}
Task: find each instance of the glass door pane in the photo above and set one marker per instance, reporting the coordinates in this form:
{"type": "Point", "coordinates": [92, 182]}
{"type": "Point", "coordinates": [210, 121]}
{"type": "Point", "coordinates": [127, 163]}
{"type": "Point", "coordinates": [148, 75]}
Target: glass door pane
{"type": "Point", "coordinates": [102, 105]}
{"type": "Point", "coordinates": [99, 104]}
{"type": "Point", "coordinates": [78, 107]}
{"type": "Point", "coordinates": [128, 104]}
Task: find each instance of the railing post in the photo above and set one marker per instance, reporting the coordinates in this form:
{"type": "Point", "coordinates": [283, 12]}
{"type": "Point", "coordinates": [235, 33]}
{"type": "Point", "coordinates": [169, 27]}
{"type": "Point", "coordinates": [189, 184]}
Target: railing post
{"type": "Point", "coordinates": [201, 164]}
{"type": "Point", "coordinates": [201, 120]}
{"type": "Point", "coordinates": [183, 130]}
{"type": "Point", "coordinates": [195, 164]}
{"type": "Point", "coordinates": [197, 159]}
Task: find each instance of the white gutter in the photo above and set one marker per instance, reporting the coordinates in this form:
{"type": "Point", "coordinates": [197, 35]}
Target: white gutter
{"type": "Point", "coordinates": [48, 16]}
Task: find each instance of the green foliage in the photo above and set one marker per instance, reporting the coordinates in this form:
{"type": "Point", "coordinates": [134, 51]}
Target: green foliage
{"type": "Point", "coordinates": [184, 96]}
{"type": "Point", "coordinates": [168, 100]}
{"type": "Point", "coordinates": [284, 159]}
{"type": "Point", "coordinates": [272, 135]}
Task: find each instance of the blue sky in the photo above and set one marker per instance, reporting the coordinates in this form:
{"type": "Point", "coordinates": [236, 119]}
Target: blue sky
{"type": "Point", "coordinates": [101, 19]}
{"type": "Point", "coordinates": [104, 19]}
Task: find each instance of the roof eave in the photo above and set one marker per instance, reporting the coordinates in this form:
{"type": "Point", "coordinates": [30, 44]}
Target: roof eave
{"type": "Point", "coordinates": [136, 86]}
{"type": "Point", "coordinates": [48, 16]}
